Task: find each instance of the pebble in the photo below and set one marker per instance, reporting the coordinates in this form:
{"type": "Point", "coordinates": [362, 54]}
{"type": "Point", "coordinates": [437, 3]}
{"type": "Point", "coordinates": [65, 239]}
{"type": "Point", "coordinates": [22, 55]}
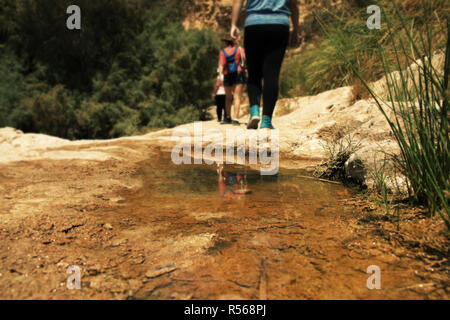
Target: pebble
{"type": "Point", "coordinates": [108, 226]}
{"type": "Point", "coordinates": [118, 242]}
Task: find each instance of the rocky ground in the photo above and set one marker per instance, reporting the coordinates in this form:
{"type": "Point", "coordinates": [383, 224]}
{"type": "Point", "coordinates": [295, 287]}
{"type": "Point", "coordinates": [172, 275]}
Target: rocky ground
{"type": "Point", "coordinates": [71, 203]}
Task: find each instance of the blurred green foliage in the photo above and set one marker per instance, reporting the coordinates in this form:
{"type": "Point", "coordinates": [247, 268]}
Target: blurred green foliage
{"type": "Point", "coordinates": [325, 63]}
{"type": "Point", "coordinates": [130, 68]}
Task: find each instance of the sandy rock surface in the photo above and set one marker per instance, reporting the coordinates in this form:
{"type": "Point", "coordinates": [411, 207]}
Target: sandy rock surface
{"type": "Point", "coordinates": [307, 126]}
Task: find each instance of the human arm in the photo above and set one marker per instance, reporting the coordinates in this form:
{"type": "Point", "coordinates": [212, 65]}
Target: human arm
{"type": "Point", "coordinates": [222, 63]}
{"type": "Point", "coordinates": [294, 18]}
{"type": "Point", "coordinates": [216, 87]}
{"type": "Point", "coordinates": [237, 6]}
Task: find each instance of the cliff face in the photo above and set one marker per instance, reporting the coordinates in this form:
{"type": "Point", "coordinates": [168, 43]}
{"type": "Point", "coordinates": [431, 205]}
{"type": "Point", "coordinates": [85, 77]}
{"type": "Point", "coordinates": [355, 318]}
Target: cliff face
{"type": "Point", "coordinates": [216, 14]}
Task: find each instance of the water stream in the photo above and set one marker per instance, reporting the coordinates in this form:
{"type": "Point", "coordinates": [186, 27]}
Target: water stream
{"type": "Point", "coordinates": [236, 234]}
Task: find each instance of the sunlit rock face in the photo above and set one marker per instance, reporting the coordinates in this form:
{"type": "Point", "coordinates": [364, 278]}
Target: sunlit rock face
{"type": "Point", "coordinates": [216, 14]}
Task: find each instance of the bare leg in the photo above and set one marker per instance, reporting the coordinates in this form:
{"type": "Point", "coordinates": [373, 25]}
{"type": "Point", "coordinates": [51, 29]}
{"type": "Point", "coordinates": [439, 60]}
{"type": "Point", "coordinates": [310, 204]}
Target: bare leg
{"type": "Point", "coordinates": [229, 92]}
{"type": "Point", "coordinates": [237, 100]}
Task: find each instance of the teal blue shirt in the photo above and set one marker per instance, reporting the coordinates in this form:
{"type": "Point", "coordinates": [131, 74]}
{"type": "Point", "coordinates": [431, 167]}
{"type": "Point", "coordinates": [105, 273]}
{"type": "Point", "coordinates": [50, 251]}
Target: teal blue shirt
{"type": "Point", "coordinates": [267, 12]}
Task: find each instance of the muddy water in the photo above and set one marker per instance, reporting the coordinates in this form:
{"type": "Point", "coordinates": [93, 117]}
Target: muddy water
{"type": "Point", "coordinates": [282, 240]}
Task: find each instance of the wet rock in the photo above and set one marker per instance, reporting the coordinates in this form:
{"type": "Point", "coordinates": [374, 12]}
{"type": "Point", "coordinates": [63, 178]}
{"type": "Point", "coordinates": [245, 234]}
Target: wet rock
{"type": "Point", "coordinates": [181, 296]}
{"type": "Point", "coordinates": [230, 297]}
{"type": "Point", "coordinates": [94, 270]}
{"type": "Point", "coordinates": [97, 282]}
{"type": "Point", "coordinates": [134, 286]}
{"type": "Point", "coordinates": [61, 241]}
{"type": "Point", "coordinates": [62, 264]}
{"type": "Point", "coordinates": [108, 226]}
{"type": "Point", "coordinates": [160, 271]}
{"type": "Point", "coordinates": [139, 259]}
{"type": "Point", "coordinates": [127, 271]}
{"type": "Point", "coordinates": [118, 242]}
{"type": "Point", "coordinates": [47, 226]}
{"type": "Point", "coordinates": [67, 228]}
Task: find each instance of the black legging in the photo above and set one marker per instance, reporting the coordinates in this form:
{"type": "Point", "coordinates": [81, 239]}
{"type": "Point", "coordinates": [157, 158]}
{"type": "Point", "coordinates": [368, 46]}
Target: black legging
{"type": "Point", "coordinates": [265, 46]}
{"type": "Point", "coordinates": [220, 103]}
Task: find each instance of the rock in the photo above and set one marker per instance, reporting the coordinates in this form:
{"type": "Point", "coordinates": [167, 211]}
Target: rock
{"type": "Point", "coordinates": [181, 296]}
{"type": "Point", "coordinates": [134, 285]}
{"type": "Point", "coordinates": [160, 271]}
{"type": "Point", "coordinates": [355, 169]}
{"type": "Point", "coordinates": [108, 226]}
{"type": "Point", "coordinates": [97, 282]}
{"type": "Point", "coordinates": [94, 270]}
{"type": "Point", "coordinates": [230, 296]}
{"type": "Point", "coordinates": [118, 242]}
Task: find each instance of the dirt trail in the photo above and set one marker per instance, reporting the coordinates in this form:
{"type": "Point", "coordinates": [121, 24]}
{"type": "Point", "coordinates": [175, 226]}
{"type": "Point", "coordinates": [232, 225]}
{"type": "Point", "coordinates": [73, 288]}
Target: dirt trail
{"type": "Point", "coordinates": [92, 212]}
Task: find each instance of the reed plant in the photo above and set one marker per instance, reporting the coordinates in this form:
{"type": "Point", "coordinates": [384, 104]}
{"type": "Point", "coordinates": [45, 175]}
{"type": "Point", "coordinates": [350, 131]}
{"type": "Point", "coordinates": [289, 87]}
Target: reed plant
{"type": "Point", "coordinates": [416, 105]}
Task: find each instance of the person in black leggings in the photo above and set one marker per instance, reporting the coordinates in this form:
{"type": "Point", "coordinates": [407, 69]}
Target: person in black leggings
{"type": "Point", "coordinates": [265, 46]}
{"type": "Point", "coordinates": [220, 103]}
{"type": "Point", "coordinates": [266, 39]}
{"type": "Point", "coordinates": [220, 98]}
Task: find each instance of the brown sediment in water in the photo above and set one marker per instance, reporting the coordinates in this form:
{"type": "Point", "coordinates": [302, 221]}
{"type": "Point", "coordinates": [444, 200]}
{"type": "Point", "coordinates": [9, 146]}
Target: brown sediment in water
{"type": "Point", "coordinates": [154, 230]}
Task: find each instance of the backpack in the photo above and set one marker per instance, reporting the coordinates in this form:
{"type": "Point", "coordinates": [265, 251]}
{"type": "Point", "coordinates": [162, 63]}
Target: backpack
{"type": "Point", "coordinates": [231, 61]}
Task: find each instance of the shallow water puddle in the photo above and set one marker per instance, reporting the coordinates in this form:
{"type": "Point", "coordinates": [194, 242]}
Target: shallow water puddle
{"type": "Point", "coordinates": [283, 237]}
{"type": "Point", "coordinates": [277, 239]}
{"type": "Point", "coordinates": [290, 188]}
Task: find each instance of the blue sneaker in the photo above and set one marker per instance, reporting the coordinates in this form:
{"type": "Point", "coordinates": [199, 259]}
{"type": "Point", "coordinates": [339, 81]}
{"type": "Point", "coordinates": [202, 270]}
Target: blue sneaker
{"type": "Point", "coordinates": [254, 117]}
{"type": "Point", "coordinates": [266, 123]}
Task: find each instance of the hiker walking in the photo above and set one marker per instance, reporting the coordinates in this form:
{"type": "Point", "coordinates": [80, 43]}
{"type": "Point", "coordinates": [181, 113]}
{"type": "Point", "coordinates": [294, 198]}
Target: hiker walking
{"type": "Point", "coordinates": [219, 96]}
{"type": "Point", "coordinates": [230, 67]}
{"type": "Point", "coordinates": [266, 39]}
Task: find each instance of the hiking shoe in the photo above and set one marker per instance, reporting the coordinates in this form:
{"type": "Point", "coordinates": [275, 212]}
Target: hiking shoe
{"type": "Point", "coordinates": [227, 120]}
{"type": "Point", "coordinates": [254, 118]}
{"type": "Point", "coordinates": [236, 122]}
{"type": "Point", "coordinates": [266, 123]}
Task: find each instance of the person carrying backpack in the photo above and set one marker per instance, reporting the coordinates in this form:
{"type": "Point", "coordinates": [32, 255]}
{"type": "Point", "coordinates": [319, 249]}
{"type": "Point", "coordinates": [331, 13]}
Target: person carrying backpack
{"type": "Point", "coordinates": [266, 39]}
{"type": "Point", "coordinates": [230, 67]}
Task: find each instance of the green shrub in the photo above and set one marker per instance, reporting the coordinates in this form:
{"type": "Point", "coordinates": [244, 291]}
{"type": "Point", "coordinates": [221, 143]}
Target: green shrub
{"type": "Point", "coordinates": [130, 68]}
{"type": "Point", "coordinates": [53, 113]}
{"type": "Point", "coordinates": [11, 88]}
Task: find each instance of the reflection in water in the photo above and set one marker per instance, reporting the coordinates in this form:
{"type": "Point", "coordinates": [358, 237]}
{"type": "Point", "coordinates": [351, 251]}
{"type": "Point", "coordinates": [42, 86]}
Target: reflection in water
{"type": "Point", "coordinates": [232, 185]}
{"type": "Point", "coordinates": [196, 188]}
